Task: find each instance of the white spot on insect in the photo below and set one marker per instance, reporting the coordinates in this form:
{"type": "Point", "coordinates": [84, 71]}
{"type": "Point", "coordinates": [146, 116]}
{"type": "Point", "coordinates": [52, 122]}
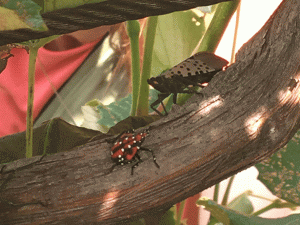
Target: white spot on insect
{"type": "Point", "coordinates": [190, 67]}
{"type": "Point", "coordinates": [134, 141]}
{"type": "Point", "coordinates": [119, 156]}
{"type": "Point", "coordinates": [126, 138]}
{"type": "Point", "coordinates": [120, 142]}
{"type": "Point", "coordinates": [129, 146]}
{"type": "Point", "coordinates": [122, 150]}
{"type": "Point", "coordinates": [137, 147]}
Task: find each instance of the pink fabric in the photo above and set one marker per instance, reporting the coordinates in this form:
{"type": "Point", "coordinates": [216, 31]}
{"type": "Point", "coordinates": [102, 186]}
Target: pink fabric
{"type": "Point", "coordinates": [59, 66]}
{"type": "Point", "coordinates": [191, 211]}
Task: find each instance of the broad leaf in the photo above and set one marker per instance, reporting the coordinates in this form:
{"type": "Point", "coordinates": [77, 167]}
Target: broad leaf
{"type": "Point", "coordinates": [177, 36]}
{"type": "Point", "coordinates": [231, 217]}
{"type": "Point", "coordinates": [241, 204]}
{"type": "Point", "coordinates": [21, 14]}
{"type": "Point", "coordinates": [51, 137]}
{"type": "Point", "coordinates": [280, 172]}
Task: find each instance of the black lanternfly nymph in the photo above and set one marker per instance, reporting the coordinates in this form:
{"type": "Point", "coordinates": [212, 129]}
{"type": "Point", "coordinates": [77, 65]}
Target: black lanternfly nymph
{"type": "Point", "coordinates": [126, 147]}
{"type": "Point", "coordinates": [194, 71]}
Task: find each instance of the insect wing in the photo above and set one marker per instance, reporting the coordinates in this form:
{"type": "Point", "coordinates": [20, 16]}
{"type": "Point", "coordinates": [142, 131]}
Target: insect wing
{"type": "Point", "coordinates": [199, 68]}
{"type": "Point", "coordinates": [202, 62]}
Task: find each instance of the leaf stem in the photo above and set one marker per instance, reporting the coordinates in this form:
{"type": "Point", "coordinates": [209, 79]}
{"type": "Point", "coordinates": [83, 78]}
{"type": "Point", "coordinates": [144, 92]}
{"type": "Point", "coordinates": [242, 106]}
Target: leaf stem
{"type": "Point", "coordinates": [226, 195]}
{"type": "Point", "coordinates": [33, 50]}
{"type": "Point", "coordinates": [216, 192]}
{"type": "Point", "coordinates": [143, 105]}
{"type": "Point", "coordinates": [218, 25]}
{"type": "Point", "coordinates": [133, 31]}
{"type": "Point", "coordinates": [29, 118]}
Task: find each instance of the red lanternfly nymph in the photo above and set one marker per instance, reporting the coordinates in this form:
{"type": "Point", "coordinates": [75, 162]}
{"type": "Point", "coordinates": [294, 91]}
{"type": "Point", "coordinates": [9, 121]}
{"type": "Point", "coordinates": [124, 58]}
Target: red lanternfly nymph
{"type": "Point", "coordinates": [126, 147]}
{"type": "Point", "coordinates": [195, 71]}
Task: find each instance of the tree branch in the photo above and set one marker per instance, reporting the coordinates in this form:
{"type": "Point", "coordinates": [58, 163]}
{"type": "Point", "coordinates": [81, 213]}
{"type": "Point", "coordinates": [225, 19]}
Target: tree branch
{"type": "Point", "coordinates": [247, 113]}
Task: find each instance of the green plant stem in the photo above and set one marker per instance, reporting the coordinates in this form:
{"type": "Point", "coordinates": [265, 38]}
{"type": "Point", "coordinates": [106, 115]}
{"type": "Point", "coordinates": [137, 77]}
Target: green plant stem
{"type": "Point", "coordinates": [143, 102]}
{"type": "Point", "coordinates": [133, 31]}
{"type": "Point", "coordinates": [265, 209]}
{"type": "Point", "coordinates": [29, 119]}
{"type": "Point", "coordinates": [216, 192]}
{"type": "Point", "coordinates": [226, 195]}
{"type": "Point", "coordinates": [276, 204]}
{"type": "Point", "coordinates": [260, 197]}
{"type": "Point", "coordinates": [218, 26]}
{"type": "Point", "coordinates": [33, 49]}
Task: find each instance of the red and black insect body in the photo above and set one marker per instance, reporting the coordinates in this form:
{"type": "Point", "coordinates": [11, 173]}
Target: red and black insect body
{"type": "Point", "coordinates": [126, 147]}
{"type": "Point", "coordinates": [195, 71]}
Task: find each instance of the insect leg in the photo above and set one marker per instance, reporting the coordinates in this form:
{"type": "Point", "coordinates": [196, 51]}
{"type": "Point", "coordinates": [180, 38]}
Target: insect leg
{"type": "Point", "coordinates": [160, 99]}
{"type": "Point", "coordinates": [175, 98]}
{"type": "Point", "coordinates": [108, 171]}
{"type": "Point", "coordinates": [154, 158]}
{"type": "Point", "coordinates": [137, 163]}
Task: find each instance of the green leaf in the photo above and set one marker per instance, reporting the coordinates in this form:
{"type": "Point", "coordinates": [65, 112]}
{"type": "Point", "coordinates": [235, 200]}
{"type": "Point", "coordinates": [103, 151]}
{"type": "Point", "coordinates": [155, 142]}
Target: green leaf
{"type": "Point", "coordinates": [216, 210]}
{"type": "Point", "coordinates": [241, 204]}
{"type": "Point", "coordinates": [58, 137]}
{"type": "Point", "coordinates": [280, 172]}
{"type": "Point", "coordinates": [168, 217]}
{"type": "Point", "coordinates": [231, 217]}
{"type": "Point", "coordinates": [21, 14]}
{"type": "Point", "coordinates": [117, 111]}
{"type": "Point", "coordinates": [176, 37]}
{"type": "Point", "coordinates": [51, 5]}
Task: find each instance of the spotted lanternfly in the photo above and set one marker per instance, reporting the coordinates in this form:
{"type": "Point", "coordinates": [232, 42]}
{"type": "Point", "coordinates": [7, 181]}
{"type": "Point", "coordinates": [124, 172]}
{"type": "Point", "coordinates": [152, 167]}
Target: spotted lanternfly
{"type": "Point", "coordinates": [126, 147]}
{"type": "Point", "coordinates": [195, 71]}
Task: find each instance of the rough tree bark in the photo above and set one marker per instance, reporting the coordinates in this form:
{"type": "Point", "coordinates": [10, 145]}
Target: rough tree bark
{"type": "Point", "coordinates": [247, 113]}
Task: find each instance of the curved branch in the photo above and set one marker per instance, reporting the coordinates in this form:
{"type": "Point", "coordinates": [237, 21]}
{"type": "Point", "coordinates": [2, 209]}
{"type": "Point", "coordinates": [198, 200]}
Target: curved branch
{"type": "Point", "coordinates": [247, 113]}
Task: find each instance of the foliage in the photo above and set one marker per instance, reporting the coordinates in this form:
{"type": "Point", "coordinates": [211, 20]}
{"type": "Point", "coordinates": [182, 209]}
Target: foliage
{"type": "Point", "coordinates": [21, 14]}
{"type": "Point", "coordinates": [228, 216]}
{"type": "Point", "coordinates": [16, 14]}
{"type": "Point", "coordinates": [280, 172]}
